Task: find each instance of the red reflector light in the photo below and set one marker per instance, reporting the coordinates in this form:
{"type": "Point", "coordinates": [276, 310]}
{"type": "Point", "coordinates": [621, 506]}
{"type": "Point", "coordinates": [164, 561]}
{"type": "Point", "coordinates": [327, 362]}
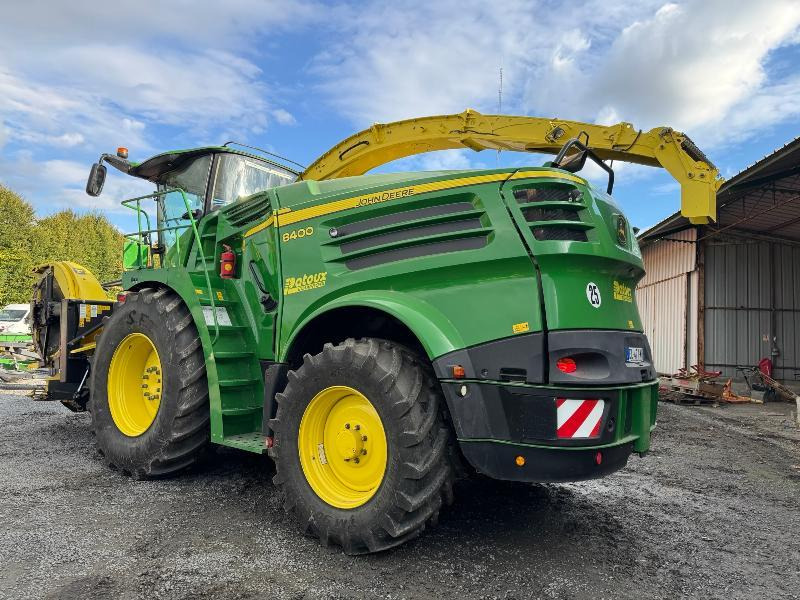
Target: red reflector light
{"type": "Point", "coordinates": [459, 372]}
{"type": "Point", "coordinates": [598, 458]}
{"type": "Point", "coordinates": [269, 441]}
{"type": "Point", "coordinates": [121, 297]}
{"type": "Point", "coordinates": [566, 365]}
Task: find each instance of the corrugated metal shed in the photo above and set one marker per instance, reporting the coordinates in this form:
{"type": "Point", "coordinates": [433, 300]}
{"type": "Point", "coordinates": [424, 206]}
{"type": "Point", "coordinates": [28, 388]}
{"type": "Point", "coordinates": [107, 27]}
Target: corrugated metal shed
{"type": "Point", "coordinates": [752, 305]}
{"type": "Point", "coordinates": [741, 277]}
{"type": "Point", "coordinates": [663, 298]}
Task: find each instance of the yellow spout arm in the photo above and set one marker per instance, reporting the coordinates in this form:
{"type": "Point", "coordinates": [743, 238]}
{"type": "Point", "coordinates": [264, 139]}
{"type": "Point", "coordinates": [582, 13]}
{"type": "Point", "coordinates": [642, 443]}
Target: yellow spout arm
{"type": "Point", "coordinates": [660, 147]}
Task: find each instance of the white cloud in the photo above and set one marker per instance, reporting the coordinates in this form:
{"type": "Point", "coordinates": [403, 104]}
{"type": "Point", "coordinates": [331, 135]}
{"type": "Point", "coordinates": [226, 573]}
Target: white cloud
{"type": "Point", "coordinates": [697, 65]}
{"type": "Point", "coordinates": [284, 117]}
{"type": "Point", "coordinates": [45, 115]}
{"type": "Point", "coordinates": [67, 171]}
{"type": "Point", "coordinates": [63, 182]}
{"type": "Point", "coordinates": [410, 59]}
{"type": "Point", "coordinates": [80, 77]}
{"type": "Point", "coordinates": [689, 65]}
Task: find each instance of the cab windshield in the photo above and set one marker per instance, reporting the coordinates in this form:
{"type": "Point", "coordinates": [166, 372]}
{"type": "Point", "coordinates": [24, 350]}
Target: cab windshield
{"type": "Point", "coordinates": [239, 176]}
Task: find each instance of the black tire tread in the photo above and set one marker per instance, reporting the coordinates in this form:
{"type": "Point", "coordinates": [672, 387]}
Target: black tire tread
{"type": "Point", "coordinates": [426, 473]}
{"type": "Point", "coordinates": [189, 435]}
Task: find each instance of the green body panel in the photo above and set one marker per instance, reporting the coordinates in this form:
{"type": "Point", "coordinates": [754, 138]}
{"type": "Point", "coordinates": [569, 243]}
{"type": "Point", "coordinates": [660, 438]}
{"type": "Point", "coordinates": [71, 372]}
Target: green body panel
{"type": "Point", "coordinates": [471, 275]}
{"type": "Point", "coordinates": [12, 341]}
{"type": "Point", "coordinates": [450, 300]}
{"type": "Point", "coordinates": [15, 338]}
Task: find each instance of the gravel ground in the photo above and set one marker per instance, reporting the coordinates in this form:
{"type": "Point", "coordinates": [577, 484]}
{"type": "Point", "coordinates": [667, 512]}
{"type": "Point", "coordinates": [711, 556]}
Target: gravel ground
{"type": "Point", "coordinates": [712, 512]}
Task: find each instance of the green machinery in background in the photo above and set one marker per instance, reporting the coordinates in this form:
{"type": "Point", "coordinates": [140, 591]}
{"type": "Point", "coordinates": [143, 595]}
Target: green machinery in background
{"type": "Point", "coordinates": [377, 335]}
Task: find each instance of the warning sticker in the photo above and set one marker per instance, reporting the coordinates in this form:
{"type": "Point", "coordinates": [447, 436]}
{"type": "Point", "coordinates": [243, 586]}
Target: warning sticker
{"type": "Point", "coordinates": [520, 327]}
{"type": "Point", "coordinates": [222, 316]}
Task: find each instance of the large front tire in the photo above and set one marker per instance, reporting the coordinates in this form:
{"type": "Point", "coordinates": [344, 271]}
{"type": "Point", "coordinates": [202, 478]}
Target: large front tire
{"type": "Point", "coordinates": [149, 393]}
{"type": "Point", "coordinates": [361, 446]}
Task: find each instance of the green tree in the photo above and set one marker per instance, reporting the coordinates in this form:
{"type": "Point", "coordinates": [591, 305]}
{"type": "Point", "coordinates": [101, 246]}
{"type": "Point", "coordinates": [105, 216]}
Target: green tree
{"type": "Point", "coordinates": [16, 246]}
{"type": "Point", "coordinates": [89, 240]}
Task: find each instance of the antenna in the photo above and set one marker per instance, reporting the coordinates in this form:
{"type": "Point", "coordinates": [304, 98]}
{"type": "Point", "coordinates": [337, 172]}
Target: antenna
{"type": "Point", "coordinates": [500, 103]}
{"type": "Point", "coordinates": [234, 143]}
{"type": "Point", "coordinates": [500, 94]}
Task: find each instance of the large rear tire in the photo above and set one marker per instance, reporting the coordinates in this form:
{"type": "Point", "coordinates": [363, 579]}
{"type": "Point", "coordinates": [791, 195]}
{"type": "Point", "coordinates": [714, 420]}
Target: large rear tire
{"type": "Point", "coordinates": [149, 392]}
{"type": "Point", "coordinates": [361, 446]}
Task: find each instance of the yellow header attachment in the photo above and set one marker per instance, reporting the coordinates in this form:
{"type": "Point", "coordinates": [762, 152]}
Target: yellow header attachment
{"type": "Point", "coordinates": [659, 147]}
{"type": "Point", "coordinates": [75, 281]}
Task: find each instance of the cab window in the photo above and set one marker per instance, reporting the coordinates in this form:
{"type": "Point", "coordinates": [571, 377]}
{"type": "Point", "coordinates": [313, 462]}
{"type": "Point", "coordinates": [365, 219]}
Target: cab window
{"type": "Point", "coordinates": [173, 217]}
{"type": "Point", "coordinates": [239, 176]}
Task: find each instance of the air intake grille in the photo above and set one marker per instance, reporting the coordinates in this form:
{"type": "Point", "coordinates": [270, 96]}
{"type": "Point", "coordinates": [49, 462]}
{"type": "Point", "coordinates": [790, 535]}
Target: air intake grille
{"type": "Point", "coordinates": [247, 211]}
{"type": "Point", "coordinates": [552, 192]}
{"type": "Point", "coordinates": [552, 211]}
{"type": "Point", "coordinates": [456, 224]}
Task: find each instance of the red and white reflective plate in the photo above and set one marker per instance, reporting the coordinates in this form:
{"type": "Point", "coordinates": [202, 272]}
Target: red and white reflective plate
{"type": "Point", "coordinates": [576, 419]}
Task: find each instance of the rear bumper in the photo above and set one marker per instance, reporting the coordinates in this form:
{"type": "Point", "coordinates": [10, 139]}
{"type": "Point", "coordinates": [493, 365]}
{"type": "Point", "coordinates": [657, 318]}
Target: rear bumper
{"type": "Point", "coordinates": [496, 422]}
{"type": "Point", "coordinates": [499, 461]}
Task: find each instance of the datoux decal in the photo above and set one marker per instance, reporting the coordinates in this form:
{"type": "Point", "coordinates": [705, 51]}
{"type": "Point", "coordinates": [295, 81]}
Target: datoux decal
{"type": "Point", "coordinates": [622, 292]}
{"type": "Point", "coordinates": [293, 285]}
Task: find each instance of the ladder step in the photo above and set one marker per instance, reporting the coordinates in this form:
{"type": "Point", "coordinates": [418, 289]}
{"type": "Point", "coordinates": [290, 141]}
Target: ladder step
{"type": "Point", "coordinates": [252, 442]}
{"type": "Point", "coordinates": [242, 411]}
{"type": "Point", "coordinates": [228, 354]}
{"type": "Point", "coordinates": [206, 302]}
{"type": "Point", "coordinates": [231, 383]}
{"type": "Point", "coordinates": [230, 328]}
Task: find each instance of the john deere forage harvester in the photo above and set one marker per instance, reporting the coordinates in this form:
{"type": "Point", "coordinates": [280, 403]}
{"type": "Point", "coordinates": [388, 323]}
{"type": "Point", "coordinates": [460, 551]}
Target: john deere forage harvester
{"type": "Point", "coordinates": [376, 335]}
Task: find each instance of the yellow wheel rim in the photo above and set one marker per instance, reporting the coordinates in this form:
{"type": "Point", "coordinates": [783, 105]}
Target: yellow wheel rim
{"type": "Point", "coordinates": [134, 384]}
{"type": "Point", "coordinates": [343, 447]}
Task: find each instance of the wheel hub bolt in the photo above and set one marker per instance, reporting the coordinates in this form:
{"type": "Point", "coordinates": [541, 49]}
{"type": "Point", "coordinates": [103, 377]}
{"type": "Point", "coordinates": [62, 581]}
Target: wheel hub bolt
{"type": "Point", "coordinates": [363, 438]}
{"type": "Point", "coordinates": [347, 425]}
{"type": "Point", "coordinates": [356, 460]}
{"type": "Point", "coordinates": [363, 451]}
{"type": "Point", "coordinates": [357, 427]}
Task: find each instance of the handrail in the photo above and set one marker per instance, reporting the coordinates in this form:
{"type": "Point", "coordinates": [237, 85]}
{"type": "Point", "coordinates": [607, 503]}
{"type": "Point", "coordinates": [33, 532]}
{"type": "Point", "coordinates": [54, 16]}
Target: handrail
{"type": "Point", "coordinates": [158, 196]}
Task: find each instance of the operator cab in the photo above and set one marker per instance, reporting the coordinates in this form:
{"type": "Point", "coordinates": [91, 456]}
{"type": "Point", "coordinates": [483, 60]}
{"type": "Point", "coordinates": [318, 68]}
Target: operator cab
{"type": "Point", "coordinates": [208, 178]}
{"type": "Point", "coordinates": [210, 181]}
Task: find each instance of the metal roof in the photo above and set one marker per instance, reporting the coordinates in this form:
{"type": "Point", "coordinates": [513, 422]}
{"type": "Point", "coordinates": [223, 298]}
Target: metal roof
{"type": "Point", "coordinates": [763, 200]}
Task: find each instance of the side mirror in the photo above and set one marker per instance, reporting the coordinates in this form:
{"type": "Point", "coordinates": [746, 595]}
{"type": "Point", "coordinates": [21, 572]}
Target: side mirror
{"type": "Point", "coordinates": [97, 177]}
{"type": "Point", "coordinates": [574, 162]}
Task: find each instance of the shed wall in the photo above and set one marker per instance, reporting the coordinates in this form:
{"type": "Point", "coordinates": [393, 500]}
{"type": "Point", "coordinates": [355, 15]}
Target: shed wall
{"type": "Point", "coordinates": [665, 296]}
{"type": "Point", "coordinates": [752, 297]}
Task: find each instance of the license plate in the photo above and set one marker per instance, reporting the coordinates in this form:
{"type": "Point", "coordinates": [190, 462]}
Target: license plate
{"type": "Point", "coordinates": [634, 354]}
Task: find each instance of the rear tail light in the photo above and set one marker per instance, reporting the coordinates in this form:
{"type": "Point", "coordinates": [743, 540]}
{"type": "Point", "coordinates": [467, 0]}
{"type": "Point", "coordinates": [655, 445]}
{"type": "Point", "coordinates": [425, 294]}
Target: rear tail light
{"type": "Point", "coordinates": [567, 365]}
{"type": "Point", "coordinates": [121, 297]}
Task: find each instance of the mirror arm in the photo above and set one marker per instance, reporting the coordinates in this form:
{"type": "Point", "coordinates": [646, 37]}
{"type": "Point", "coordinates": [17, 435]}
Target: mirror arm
{"type": "Point", "coordinates": [559, 162]}
{"type": "Point", "coordinates": [121, 164]}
